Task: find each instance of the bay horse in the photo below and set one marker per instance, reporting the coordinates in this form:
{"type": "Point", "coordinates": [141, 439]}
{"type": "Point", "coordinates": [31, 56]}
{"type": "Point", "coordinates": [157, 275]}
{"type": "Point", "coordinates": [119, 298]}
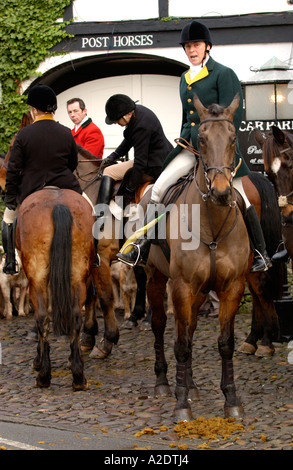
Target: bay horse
{"type": "Point", "coordinates": [220, 262]}
{"type": "Point", "coordinates": [54, 238]}
{"type": "Point", "coordinates": [101, 284]}
{"type": "Point", "coordinates": [277, 151]}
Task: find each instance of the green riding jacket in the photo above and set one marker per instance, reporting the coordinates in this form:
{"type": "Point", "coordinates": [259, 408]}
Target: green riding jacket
{"type": "Point", "coordinates": [215, 83]}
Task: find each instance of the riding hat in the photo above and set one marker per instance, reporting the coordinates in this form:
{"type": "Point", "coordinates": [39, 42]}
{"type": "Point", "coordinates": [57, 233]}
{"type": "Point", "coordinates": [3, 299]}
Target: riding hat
{"type": "Point", "coordinates": [117, 106]}
{"type": "Point", "coordinates": [42, 97]}
{"type": "Point", "coordinates": [195, 31]}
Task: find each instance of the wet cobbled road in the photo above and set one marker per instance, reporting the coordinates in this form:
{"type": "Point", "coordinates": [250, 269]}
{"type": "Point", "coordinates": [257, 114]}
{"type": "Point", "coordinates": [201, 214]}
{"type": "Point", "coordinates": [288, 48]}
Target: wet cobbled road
{"type": "Point", "coordinates": [120, 403]}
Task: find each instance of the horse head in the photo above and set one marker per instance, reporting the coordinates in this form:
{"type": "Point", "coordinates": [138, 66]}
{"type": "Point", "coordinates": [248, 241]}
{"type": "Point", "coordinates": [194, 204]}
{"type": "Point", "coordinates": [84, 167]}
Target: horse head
{"type": "Point", "coordinates": [277, 148]}
{"type": "Point", "coordinates": [217, 140]}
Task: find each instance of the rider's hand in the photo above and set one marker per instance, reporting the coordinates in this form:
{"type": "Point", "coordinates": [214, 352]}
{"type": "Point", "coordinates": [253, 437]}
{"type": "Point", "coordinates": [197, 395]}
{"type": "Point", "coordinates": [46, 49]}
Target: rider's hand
{"type": "Point", "coordinates": [109, 160]}
{"type": "Point", "coordinates": [112, 157]}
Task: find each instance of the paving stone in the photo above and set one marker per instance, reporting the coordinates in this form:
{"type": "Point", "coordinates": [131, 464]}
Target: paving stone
{"type": "Point", "coordinates": [121, 388]}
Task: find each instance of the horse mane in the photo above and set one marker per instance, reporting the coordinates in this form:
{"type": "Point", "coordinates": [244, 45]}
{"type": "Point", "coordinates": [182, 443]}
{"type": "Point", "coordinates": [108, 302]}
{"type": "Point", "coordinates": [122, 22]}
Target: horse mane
{"type": "Point", "coordinates": [86, 154]}
{"type": "Point", "coordinates": [216, 110]}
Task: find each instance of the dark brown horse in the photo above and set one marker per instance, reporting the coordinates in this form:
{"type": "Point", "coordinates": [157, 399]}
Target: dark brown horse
{"type": "Point", "coordinates": [54, 238]}
{"type": "Point", "coordinates": [221, 262]}
{"type": "Point", "coordinates": [277, 148]}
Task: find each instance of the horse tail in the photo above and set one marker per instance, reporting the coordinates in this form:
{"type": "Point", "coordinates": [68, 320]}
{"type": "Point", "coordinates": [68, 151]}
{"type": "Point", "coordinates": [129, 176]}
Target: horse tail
{"type": "Point", "coordinates": [60, 271]}
{"type": "Point", "coordinates": [271, 226]}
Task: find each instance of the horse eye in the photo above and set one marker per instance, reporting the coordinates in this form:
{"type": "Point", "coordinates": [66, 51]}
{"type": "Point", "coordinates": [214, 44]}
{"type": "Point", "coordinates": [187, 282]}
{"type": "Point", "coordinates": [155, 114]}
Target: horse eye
{"type": "Point", "coordinates": [201, 140]}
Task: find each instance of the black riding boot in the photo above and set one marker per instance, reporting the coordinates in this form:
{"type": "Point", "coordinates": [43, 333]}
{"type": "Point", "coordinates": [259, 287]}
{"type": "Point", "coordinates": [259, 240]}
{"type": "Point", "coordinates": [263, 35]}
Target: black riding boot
{"type": "Point", "coordinates": [141, 248]}
{"type": "Point", "coordinates": [104, 197]}
{"type": "Point", "coordinates": [9, 248]}
{"type": "Point", "coordinates": [261, 261]}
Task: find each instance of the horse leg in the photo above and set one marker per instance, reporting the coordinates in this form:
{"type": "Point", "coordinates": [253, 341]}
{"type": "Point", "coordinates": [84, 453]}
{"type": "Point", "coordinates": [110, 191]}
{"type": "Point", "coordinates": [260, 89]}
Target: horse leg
{"type": "Point", "coordinates": [139, 307]}
{"type": "Point", "coordinates": [103, 284]}
{"type": "Point", "coordinates": [264, 324]}
{"type": "Point", "coordinates": [77, 367]}
{"type": "Point", "coordinates": [90, 326]}
{"type": "Point", "coordinates": [42, 361]}
{"type": "Point", "coordinates": [155, 289]}
{"type": "Point", "coordinates": [185, 322]}
{"type": "Point", "coordinates": [229, 302]}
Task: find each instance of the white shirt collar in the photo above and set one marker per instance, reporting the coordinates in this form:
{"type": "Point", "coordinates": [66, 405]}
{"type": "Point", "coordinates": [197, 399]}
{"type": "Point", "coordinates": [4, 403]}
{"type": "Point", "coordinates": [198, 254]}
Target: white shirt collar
{"type": "Point", "coordinates": [77, 126]}
{"type": "Point", "coordinates": [195, 69]}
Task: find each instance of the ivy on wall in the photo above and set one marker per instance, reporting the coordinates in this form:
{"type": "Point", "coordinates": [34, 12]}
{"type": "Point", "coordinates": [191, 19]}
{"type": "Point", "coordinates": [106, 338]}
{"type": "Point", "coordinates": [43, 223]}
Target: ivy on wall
{"type": "Point", "coordinates": [29, 29]}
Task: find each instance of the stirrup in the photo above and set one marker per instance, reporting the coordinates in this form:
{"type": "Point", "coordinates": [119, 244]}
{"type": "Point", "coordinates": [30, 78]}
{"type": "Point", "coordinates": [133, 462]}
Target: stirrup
{"type": "Point", "coordinates": [266, 262]}
{"type": "Point", "coordinates": [129, 263]}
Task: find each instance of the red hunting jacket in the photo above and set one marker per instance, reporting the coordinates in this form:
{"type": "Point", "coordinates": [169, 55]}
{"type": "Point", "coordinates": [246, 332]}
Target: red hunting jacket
{"type": "Point", "coordinates": [90, 137]}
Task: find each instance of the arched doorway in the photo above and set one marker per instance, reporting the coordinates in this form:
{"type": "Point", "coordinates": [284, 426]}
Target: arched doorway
{"type": "Point", "coordinates": [153, 81]}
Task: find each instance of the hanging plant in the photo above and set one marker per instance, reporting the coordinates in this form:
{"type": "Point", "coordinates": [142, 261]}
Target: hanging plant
{"type": "Point", "coordinates": [28, 31]}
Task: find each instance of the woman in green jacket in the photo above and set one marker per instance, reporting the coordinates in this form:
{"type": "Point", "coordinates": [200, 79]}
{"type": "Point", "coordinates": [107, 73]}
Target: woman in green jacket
{"type": "Point", "coordinates": [212, 83]}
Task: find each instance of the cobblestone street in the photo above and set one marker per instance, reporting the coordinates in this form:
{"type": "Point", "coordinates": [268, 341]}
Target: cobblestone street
{"type": "Point", "coordinates": [120, 398]}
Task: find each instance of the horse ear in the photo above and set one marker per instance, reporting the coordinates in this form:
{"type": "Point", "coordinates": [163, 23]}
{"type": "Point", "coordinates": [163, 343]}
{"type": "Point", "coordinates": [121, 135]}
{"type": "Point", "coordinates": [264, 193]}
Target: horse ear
{"type": "Point", "coordinates": [259, 137]}
{"type": "Point", "coordinates": [202, 111]}
{"type": "Point", "coordinates": [278, 135]}
{"type": "Point", "coordinates": [231, 109]}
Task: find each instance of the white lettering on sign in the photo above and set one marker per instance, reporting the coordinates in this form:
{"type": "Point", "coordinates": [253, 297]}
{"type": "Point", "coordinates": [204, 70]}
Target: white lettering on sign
{"type": "Point", "coordinates": [102, 42]}
{"type": "Point", "coordinates": [247, 126]}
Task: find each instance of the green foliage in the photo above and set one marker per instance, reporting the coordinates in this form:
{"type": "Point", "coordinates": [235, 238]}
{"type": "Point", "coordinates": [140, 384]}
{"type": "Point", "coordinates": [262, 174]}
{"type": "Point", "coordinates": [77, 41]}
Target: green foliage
{"type": "Point", "coordinates": [28, 31]}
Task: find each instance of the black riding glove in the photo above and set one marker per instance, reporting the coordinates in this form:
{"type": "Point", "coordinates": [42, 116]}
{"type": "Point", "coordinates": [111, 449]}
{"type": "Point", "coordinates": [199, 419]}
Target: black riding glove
{"type": "Point", "coordinates": [110, 160]}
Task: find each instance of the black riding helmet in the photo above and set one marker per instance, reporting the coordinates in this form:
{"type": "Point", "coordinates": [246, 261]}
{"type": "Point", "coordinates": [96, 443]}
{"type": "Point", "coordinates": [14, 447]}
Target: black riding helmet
{"type": "Point", "coordinates": [117, 106]}
{"type": "Point", "coordinates": [195, 31]}
{"type": "Point", "coordinates": [42, 97]}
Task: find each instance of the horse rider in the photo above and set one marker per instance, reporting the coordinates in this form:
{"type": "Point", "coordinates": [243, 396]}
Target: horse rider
{"type": "Point", "coordinates": [44, 153]}
{"type": "Point", "coordinates": [213, 83]}
{"type": "Point", "coordinates": [144, 133]}
{"type": "Point", "coordinates": [85, 133]}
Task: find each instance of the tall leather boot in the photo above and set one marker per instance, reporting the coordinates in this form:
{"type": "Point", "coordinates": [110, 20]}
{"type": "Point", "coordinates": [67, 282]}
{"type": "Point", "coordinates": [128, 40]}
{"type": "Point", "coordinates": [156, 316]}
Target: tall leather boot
{"type": "Point", "coordinates": [141, 248]}
{"type": "Point", "coordinates": [9, 248]}
{"type": "Point", "coordinates": [261, 261]}
{"type": "Point", "coordinates": [104, 197]}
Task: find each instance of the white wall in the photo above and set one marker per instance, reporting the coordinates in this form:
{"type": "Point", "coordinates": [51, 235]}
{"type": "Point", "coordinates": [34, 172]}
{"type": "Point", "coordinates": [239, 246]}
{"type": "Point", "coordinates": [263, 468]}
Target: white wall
{"type": "Point", "coordinates": [160, 93]}
{"type": "Point", "coordinates": [117, 10]}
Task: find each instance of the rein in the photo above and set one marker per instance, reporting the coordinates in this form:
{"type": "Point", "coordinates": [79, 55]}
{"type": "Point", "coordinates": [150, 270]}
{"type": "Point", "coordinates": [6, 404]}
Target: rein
{"type": "Point", "coordinates": [96, 172]}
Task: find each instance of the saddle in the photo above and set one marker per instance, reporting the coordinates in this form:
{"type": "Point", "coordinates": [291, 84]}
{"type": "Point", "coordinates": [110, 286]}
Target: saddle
{"type": "Point", "coordinates": [169, 197]}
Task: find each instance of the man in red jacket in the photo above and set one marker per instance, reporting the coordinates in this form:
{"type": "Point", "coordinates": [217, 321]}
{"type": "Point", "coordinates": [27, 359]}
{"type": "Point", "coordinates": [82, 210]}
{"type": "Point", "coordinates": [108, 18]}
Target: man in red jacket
{"type": "Point", "coordinates": [85, 132]}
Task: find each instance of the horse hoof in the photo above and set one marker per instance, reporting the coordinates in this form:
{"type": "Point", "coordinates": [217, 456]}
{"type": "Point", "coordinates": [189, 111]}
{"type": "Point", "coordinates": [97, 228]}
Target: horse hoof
{"type": "Point", "coordinates": [39, 384]}
{"type": "Point", "coordinates": [145, 326]}
{"type": "Point", "coordinates": [102, 352]}
{"type": "Point", "coordinates": [129, 324]}
{"type": "Point", "coordinates": [162, 391]}
{"type": "Point", "coordinates": [247, 348]}
{"type": "Point", "coordinates": [80, 387]}
{"type": "Point", "coordinates": [234, 412]}
{"type": "Point", "coordinates": [264, 351]}
{"type": "Point", "coordinates": [87, 342]}
{"type": "Point", "coordinates": [183, 414]}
